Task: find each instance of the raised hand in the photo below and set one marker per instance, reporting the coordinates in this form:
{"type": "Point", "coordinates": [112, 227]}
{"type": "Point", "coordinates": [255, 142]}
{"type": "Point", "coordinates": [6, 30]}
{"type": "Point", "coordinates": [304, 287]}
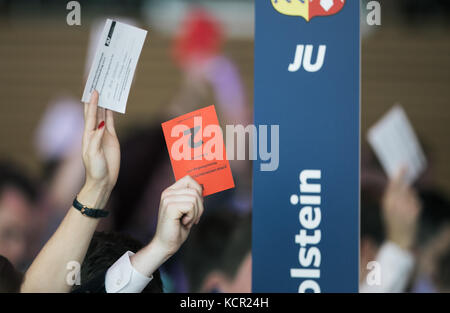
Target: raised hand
{"type": "Point", "coordinates": [401, 208]}
{"type": "Point", "coordinates": [101, 154]}
{"type": "Point", "coordinates": [101, 158]}
{"type": "Point", "coordinates": [181, 207]}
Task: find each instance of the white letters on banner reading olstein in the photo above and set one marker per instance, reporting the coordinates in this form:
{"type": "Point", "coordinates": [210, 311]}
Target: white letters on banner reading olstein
{"type": "Point", "coordinates": [309, 236]}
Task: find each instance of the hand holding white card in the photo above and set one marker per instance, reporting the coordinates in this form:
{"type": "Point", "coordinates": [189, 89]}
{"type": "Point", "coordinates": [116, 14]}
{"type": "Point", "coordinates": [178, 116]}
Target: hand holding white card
{"type": "Point", "coordinates": [396, 145]}
{"type": "Point", "coordinates": [114, 65]}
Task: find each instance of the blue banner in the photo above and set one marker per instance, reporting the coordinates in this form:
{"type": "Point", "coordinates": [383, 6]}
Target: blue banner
{"type": "Point", "coordinates": [307, 81]}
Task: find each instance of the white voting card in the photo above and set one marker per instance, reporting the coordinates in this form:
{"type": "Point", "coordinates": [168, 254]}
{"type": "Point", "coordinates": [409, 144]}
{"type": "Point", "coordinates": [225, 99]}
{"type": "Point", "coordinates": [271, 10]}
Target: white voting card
{"type": "Point", "coordinates": [114, 65]}
{"type": "Point", "coordinates": [395, 144]}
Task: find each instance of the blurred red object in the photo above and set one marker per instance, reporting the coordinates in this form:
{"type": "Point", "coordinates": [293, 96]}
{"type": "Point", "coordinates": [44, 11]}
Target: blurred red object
{"type": "Point", "coordinates": [200, 37]}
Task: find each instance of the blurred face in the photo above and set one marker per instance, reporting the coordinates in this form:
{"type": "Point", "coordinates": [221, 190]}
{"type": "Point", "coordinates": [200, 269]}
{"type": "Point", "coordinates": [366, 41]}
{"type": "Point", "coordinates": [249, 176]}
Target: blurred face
{"type": "Point", "coordinates": [14, 221]}
{"type": "Point", "coordinates": [241, 283]}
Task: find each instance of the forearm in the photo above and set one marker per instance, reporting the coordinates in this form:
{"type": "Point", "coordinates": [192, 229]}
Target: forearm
{"type": "Point", "coordinates": [147, 260]}
{"type": "Point", "coordinates": [70, 242]}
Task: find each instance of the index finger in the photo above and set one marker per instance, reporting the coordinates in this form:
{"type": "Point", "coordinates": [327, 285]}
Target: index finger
{"type": "Point", "coordinates": [400, 177]}
{"type": "Point", "coordinates": [398, 182]}
{"type": "Point", "coordinates": [91, 112]}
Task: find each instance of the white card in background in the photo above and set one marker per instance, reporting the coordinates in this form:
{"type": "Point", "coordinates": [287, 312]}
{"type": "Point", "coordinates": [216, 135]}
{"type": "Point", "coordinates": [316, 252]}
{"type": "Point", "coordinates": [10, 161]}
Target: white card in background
{"type": "Point", "coordinates": [114, 65]}
{"type": "Point", "coordinates": [395, 144]}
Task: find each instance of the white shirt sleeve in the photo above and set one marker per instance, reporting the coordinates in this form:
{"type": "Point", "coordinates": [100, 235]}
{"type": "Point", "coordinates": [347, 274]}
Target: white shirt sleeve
{"type": "Point", "coordinates": [396, 266]}
{"type": "Point", "coordinates": [121, 277]}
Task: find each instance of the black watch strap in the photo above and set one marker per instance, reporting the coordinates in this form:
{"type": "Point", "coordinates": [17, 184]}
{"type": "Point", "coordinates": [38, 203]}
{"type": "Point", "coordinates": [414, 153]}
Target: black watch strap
{"type": "Point", "coordinates": [95, 213]}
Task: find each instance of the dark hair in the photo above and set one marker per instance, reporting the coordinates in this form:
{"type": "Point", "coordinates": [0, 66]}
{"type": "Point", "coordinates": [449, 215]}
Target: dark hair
{"type": "Point", "coordinates": [10, 278]}
{"type": "Point", "coordinates": [203, 252]}
{"type": "Point", "coordinates": [105, 249]}
{"type": "Point", "coordinates": [435, 214]}
{"type": "Point", "coordinates": [371, 219]}
{"type": "Point", "coordinates": [12, 176]}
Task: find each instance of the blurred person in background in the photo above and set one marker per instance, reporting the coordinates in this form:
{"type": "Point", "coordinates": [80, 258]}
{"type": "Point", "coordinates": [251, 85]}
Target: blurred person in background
{"type": "Point", "coordinates": [58, 145]}
{"type": "Point", "coordinates": [198, 51]}
{"type": "Point", "coordinates": [17, 201]}
{"type": "Point", "coordinates": [204, 252]}
{"type": "Point", "coordinates": [401, 208]}
{"type": "Point", "coordinates": [234, 273]}
{"type": "Point", "coordinates": [435, 213]}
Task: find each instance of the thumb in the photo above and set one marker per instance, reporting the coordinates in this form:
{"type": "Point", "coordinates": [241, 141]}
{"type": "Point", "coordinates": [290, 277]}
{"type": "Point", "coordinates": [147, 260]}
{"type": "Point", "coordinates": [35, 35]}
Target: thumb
{"type": "Point", "coordinates": [186, 220]}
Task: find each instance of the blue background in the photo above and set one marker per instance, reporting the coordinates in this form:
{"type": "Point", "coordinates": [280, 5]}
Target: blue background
{"type": "Point", "coordinates": [318, 114]}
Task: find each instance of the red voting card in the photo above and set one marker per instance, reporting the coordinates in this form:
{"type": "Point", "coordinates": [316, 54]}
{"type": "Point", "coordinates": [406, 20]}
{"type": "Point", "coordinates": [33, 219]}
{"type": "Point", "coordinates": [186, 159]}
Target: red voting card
{"type": "Point", "coordinates": [196, 148]}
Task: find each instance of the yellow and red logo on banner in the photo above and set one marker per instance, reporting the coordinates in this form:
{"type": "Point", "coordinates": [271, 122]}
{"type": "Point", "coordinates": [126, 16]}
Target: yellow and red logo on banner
{"type": "Point", "coordinates": [308, 8]}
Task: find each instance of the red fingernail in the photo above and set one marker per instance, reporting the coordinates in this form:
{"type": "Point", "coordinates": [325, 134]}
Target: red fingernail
{"type": "Point", "coordinates": [100, 126]}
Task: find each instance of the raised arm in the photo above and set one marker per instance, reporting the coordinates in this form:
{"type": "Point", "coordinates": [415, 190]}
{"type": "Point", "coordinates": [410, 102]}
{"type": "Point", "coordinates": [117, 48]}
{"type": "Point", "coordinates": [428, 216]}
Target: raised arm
{"type": "Point", "coordinates": [401, 210]}
{"type": "Point", "coordinates": [181, 207]}
{"type": "Point", "coordinates": [101, 158]}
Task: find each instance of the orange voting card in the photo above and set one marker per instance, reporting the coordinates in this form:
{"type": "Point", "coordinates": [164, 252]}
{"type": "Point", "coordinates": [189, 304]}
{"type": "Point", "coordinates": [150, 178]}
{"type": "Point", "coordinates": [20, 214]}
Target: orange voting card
{"type": "Point", "coordinates": [196, 148]}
